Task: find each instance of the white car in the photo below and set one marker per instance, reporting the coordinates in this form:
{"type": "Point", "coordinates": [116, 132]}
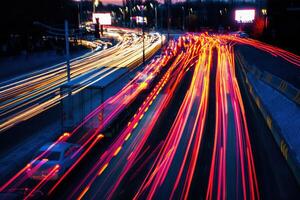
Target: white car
{"type": "Point", "coordinates": [55, 161]}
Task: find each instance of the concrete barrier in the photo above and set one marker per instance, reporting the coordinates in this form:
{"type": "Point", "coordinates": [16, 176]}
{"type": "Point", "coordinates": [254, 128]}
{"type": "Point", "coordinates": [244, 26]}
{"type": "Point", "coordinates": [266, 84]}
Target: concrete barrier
{"type": "Point", "coordinates": [289, 152]}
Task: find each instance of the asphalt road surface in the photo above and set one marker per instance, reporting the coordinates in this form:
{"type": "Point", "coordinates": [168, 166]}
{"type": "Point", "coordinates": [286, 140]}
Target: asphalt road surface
{"type": "Point", "coordinates": [189, 131]}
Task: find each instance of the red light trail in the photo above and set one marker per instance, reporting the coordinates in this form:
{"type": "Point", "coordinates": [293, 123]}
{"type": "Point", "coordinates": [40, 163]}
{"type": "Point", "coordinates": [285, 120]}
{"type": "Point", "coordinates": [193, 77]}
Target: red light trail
{"type": "Point", "coordinates": [232, 170]}
{"type": "Point", "coordinates": [275, 51]}
{"type": "Point", "coordinates": [88, 138]}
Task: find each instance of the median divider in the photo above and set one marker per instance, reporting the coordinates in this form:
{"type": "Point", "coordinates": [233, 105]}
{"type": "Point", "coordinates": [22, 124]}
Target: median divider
{"type": "Point", "coordinates": [287, 141]}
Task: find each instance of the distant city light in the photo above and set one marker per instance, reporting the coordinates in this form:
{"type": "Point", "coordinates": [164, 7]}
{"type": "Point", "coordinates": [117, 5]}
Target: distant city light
{"type": "Point", "coordinates": [104, 18]}
{"type": "Point", "coordinates": [245, 16]}
{"type": "Point", "coordinates": [96, 3]}
{"type": "Point", "coordinates": [139, 19]}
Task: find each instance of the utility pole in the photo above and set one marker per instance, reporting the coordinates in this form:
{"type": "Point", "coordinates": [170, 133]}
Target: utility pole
{"type": "Point", "coordinates": [130, 13]}
{"type": "Point", "coordinates": [95, 4]}
{"type": "Point", "coordinates": [143, 21]}
{"type": "Point", "coordinates": [79, 13]}
{"type": "Point", "coordinates": [155, 16]}
{"type": "Point", "coordinates": [124, 13]}
{"type": "Point", "coordinates": [67, 50]}
{"type": "Point", "coordinates": [124, 18]}
{"type": "Point", "coordinates": [168, 18]}
{"type": "Point", "coordinates": [97, 26]}
{"type": "Point", "coordinates": [188, 9]}
{"type": "Point", "coordinates": [183, 18]}
{"type": "Point", "coordinates": [162, 17]}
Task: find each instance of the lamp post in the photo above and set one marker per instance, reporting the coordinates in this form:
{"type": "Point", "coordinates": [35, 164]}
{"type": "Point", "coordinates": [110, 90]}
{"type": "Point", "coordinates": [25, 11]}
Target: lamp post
{"type": "Point", "coordinates": [122, 11]}
{"type": "Point", "coordinates": [143, 35]}
{"type": "Point", "coordinates": [79, 13]}
{"type": "Point", "coordinates": [183, 18]}
{"type": "Point", "coordinates": [67, 50]}
{"type": "Point", "coordinates": [155, 16]}
{"type": "Point", "coordinates": [95, 4]}
{"type": "Point", "coordinates": [168, 19]}
{"type": "Point", "coordinates": [130, 13]}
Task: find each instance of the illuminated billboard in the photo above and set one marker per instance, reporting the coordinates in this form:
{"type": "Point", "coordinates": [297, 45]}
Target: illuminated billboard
{"type": "Point", "coordinates": [245, 15]}
{"type": "Point", "coordinates": [104, 18]}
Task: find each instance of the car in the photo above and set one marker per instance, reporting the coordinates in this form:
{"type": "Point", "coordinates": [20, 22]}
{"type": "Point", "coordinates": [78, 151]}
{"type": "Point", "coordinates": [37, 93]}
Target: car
{"type": "Point", "coordinates": [240, 34]}
{"type": "Point", "coordinates": [56, 160]}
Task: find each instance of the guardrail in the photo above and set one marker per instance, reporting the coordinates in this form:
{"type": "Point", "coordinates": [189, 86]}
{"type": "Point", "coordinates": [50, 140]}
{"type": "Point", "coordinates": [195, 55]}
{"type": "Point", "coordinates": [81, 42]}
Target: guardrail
{"type": "Point", "coordinates": [275, 82]}
{"type": "Point", "coordinates": [283, 87]}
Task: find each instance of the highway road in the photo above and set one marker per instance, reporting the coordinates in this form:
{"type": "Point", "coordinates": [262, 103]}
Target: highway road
{"type": "Point", "coordinates": [191, 131]}
{"type": "Point", "coordinates": [89, 137]}
{"type": "Point", "coordinates": [31, 94]}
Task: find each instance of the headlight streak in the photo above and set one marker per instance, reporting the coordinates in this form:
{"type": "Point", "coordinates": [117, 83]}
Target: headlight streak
{"type": "Point", "coordinates": [139, 140]}
{"type": "Point", "coordinates": [158, 173]}
{"type": "Point", "coordinates": [196, 99]}
{"type": "Point", "coordinates": [130, 154]}
{"type": "Point", "coordinates": [24, 97]}
{"type": "Point", "coordinates": [179, 151]}
{"type": "Point", "coordinates": [114, 104]}
{"type": "Point", "coordinates": [98, 138]}
{"type": "Point", "coordinates": [22, 176]}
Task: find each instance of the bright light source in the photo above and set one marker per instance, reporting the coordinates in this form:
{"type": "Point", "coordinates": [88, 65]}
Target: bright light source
{"type": "Point", "coordinates": [245, 16]}
{"type": "Point", "coordinates": [264, 11]}
{"type": "Point", "coordinates": [96, 3]}
{"type": "Point", "coordinates": [139, 19]}
{"type": "Point", "coordinates": [104, 18]}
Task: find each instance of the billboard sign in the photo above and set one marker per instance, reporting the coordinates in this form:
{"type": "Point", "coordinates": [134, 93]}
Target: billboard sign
{"type": "Point", "coordinates": [245, 15]}
{"type": "Point", "coordinates": [104, 18]}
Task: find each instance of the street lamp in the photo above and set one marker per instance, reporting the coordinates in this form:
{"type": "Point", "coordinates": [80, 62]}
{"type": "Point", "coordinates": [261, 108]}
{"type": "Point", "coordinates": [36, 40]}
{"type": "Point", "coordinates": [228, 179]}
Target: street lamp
{"type": "Point", "coordinates": [143, 35]}
{"type": "Point", "coordinates": [130, 13]}
{"type": "Point", "coordinates": [67, 51]}
{"type": "Point", "coordinates": [123, 15]}
{"type": "Point", "coordinates": [155, 13]}
{"type": "Point", "coordinates": [95, 4]}
{"type": "Point", "coordinates": [183, 18]}
{"type": "Point", "coordinates": [79, 11]}
{"type": "Point", "coordinates": [168, 18]}
{"type": "Point", "coordinates": [155, 16]}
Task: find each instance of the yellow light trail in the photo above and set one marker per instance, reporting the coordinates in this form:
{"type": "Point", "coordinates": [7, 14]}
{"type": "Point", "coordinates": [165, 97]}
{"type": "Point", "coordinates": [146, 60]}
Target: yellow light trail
{"type": "Point", "coordinates": [34, 93]}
